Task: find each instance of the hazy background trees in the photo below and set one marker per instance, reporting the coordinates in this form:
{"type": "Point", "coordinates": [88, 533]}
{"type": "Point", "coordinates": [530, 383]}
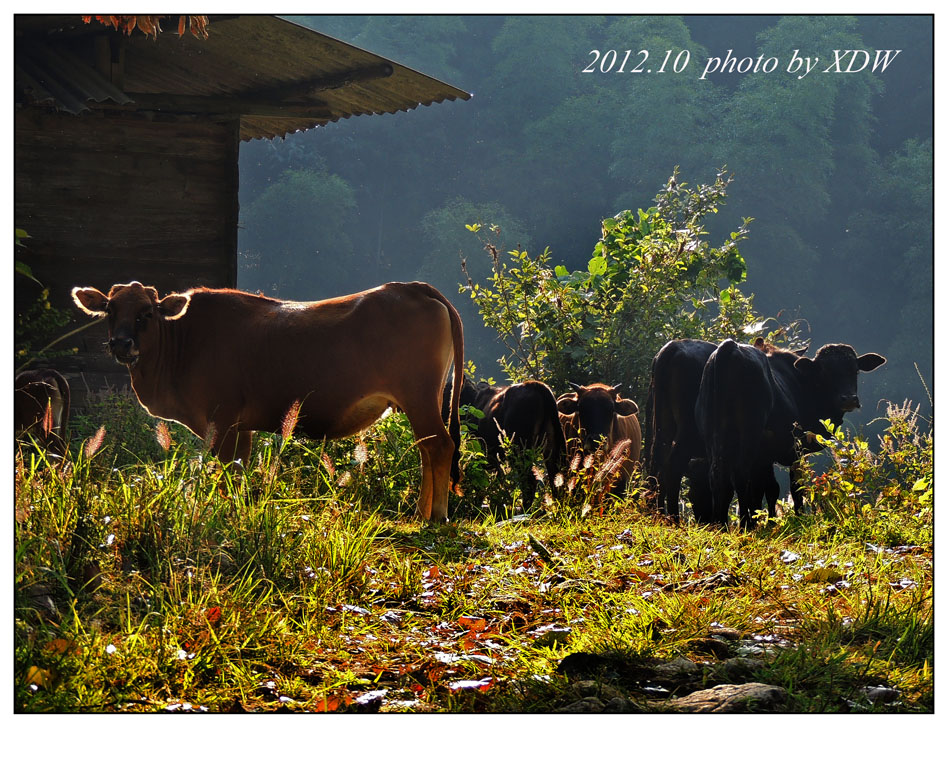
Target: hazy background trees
{"type": "Point", "coordinates": [835, 169]}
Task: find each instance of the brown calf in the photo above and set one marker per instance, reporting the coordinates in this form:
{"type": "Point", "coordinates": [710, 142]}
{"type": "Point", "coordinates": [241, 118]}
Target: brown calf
{"type": "Point", "coordinates": [597, 417]}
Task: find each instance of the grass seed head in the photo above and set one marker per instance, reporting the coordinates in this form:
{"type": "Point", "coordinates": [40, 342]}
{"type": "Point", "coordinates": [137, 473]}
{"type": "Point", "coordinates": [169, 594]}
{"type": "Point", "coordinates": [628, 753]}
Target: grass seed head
{"type": "Point", "coordinates": [94, 442]}
{"type": "Point", "coordinates": [163, 435]}
{"type": "Point", "coordinates": [289, 422]}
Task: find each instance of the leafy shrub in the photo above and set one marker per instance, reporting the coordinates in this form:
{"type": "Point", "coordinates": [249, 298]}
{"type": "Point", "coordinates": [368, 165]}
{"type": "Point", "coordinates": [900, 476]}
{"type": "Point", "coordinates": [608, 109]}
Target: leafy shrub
{"type": "Point", "coordinates": [652, 277]}
{"type": "Point", "coordinates": [881, 496]}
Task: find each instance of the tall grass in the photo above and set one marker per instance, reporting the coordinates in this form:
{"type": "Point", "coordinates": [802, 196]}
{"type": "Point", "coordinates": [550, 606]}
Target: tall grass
{"type": "Point", "coordinates": [165, 582]}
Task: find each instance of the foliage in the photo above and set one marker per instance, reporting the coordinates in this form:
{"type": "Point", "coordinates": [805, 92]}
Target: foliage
{"type": "Point", "coordinates": [652, 277]}
{"type": "Point", "coordinates": [898, 218]}
{"type": "Point", "coordinates": [171, 586]}
{"type": "Point", "coordinates": [297, 260]}
{"type": "Point", "coordinates": [674, 119]}
{"type": "Point", "coordinates": [37, 329]}
{"type": "Point", "coordinates": [885, 492]}
{"type": "Point", "coordinates": [449, 245]}
{"type": "Point", "coordinates": [560, 149]}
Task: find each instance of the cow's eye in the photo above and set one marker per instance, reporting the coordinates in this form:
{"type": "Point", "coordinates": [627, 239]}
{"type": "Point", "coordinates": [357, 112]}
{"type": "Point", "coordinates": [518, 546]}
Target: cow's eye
{"type": "Point", "coordinates": [143, 317]}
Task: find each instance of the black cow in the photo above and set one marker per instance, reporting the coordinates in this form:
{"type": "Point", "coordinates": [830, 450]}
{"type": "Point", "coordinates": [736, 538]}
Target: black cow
{"type": "Point", "coordinates": [524, 413]}
{"type": "Point", "coordinates": [675, 375]}
{"type": "Point", "coordinates": [676, 447]}
{"type": "Point", "coordinates": [756, 408]}
{"type": "Point", "coordinates": [41, 408]}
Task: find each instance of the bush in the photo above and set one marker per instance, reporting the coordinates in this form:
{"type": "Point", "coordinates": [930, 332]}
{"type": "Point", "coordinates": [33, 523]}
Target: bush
{"type": "Point", "coordinates": [652, 277]}
{"type": "Point", "coordinates": [884, 496]}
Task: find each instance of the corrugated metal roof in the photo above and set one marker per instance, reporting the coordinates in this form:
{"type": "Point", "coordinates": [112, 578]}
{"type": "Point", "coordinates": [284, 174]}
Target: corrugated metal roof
{"type": "Point", "coordinates": [278, 76]}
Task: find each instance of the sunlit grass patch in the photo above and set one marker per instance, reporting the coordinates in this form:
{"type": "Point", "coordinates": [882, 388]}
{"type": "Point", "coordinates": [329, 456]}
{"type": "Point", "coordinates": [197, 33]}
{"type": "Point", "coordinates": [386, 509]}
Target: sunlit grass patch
{"type": "Point", "coordinates": [305, 584]}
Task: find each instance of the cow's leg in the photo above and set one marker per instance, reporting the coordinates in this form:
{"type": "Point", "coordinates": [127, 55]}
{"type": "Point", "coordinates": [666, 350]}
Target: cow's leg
{"type": "Point", "coordinates": [771, 490]}
{"type": "Point", "coordinates": [672, 472]}
{"type": "Point", "coordinates": [721, 491]}
{"type": "Point", "coordinates": [552, 466]}
{"type": "Point", "coordinates": [232, 445]}
{"type": "Point", "coordinates": [749, 497]}
{"type": "Point", "coordinates": [529, 486]}
{"type": "Point", "coordinates": [435, 450]}
{"type": "Point", "coordinates": [424, 506]}
{"type": "Point", "coordinates": [699, 494]}
{"type": "Point", "coordinates": [656, 486]}
{"type": "Point", "coordinates": [795, 487]}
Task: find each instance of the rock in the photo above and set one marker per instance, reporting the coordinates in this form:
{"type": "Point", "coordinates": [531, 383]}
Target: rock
{"type": "Point", "coordinates": [592, 688]}
{"type": "Point", "coordinates": [735, 669]}
{"type": "Point", "coordinates": [576, 664]}
{"type": "Point", "coordinates": [679, 668]}
{"type": "Point", "coordinates": [710, 646]}
{"type": "Point", "coordinates": [726, 632]}
{"type": "Point", "coordinates": [881, 694]}
{"type": "Point", "coordinates": [620, 705]}
{"type": "Point", "coordinates": [584, 705]}
{"type": "Point", "coordinates": [732, 698]}
{"type": "Point", "coordinates": [548, 636]}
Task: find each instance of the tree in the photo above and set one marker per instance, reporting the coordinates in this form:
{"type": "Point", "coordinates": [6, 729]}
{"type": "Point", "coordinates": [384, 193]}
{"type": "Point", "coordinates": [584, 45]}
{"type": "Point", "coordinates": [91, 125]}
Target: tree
{"type": "Point", "coordinates": [663, 119]}
{"type": "Point", "coordinates": [786, 138]}
{"type": "Point", "coordinates": [294, 242]}
{"type": "Point", "coordinates": [450, 246]}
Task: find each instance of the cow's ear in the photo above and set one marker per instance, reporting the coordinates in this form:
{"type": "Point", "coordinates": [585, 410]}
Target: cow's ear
{"type": "Point", "coordinates": [626, 407]}
{"type": "Point", "coordinates": [174, 305]}
{"type": "Point", "coordinates": [90, 300]}
{"type": "Point", "coordinates": [808, 368]}
{"type": "Point", "coordinates": [870, 361]}
{"type": "Point", "coordinates": [567, 404]}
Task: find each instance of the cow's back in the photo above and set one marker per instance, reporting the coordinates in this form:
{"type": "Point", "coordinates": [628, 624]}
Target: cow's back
{"type": "Point", "coordinates": [344, 359]}
{"type": "Point", "coordinates": [735, 400]}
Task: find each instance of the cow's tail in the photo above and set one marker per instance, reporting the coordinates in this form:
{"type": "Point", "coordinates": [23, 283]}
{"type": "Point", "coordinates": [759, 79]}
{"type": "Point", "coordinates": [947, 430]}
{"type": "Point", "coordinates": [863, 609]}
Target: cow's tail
{"type": "Point", "coordinates": [650, 426]}
{"type": "Point", "coordinates": [722, 439]}
{"type": "Point", "coordinates": [455, 428]}
{"type": "Point", "coordinates": [559, 442]}
{"type": "Point", "coordinates": [458, 345]}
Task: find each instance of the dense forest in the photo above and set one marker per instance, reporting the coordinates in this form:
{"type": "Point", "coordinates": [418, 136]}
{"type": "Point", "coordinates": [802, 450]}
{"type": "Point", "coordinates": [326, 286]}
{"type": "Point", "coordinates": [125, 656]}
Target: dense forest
{"type": "Point", "coordinates": [835, 167]}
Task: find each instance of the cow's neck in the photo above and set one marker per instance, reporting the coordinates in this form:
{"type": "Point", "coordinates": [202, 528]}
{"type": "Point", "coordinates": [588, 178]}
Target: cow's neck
{"type": "Point", "coordinates": [158, 378]}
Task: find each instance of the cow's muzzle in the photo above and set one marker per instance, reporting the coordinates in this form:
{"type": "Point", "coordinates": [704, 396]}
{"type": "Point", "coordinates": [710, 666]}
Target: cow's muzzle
{"type": "Point", "coordinates": [124, 351]}
{"type": "Point", "coordinates": [849, 402]}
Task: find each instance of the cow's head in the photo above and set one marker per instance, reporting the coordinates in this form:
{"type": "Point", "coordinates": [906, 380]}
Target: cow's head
{"type": "Point", "coordinates": [833, 375]}
{"type": "Point", "coordinates": [133, 311]}
{"type": "Point", "coordinates": [595, 408]}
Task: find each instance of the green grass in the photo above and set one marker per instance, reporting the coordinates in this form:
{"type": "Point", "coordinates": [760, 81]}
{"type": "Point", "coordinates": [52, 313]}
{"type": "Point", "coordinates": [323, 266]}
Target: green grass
{"type": "Point", "coordinates": [165, 584]}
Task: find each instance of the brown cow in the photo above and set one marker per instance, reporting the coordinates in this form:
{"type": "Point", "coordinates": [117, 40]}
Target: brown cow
{"type": "Point", "coordinates": [232, 363]}
{"type": "Point", "coordinates": [595, 417]}
{"type": "Point", "coordinates": [41, 408]}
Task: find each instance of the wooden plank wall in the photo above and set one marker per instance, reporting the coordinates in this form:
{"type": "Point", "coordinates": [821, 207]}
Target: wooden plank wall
{"type": "Point", "coordinates": [109, 198]}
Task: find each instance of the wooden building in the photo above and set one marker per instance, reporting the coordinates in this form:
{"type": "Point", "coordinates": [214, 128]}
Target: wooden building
{"type": "Point", "coordinates": [126, 147]}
